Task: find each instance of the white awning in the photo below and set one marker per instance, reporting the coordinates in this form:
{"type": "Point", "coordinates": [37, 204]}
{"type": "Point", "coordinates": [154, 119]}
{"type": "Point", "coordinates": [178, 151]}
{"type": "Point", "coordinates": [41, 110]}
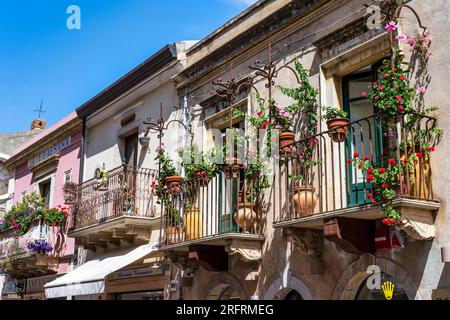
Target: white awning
{"type": "Point", "coordinates": [90, 277]}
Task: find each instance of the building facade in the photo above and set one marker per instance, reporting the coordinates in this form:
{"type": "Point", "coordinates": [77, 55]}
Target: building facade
{"type": "Point", "coordinates": [333, 246]}
{"type": "Point", "coordinates": [116, 220]}
{"type": "Point", "coordinates": [35, 248]}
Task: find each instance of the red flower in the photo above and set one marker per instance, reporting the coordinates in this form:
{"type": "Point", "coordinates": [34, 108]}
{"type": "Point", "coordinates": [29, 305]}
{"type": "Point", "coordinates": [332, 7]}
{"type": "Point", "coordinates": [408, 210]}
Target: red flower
{"type": "Point", "coordinates": [399, 98]}
{"type": "Point", "coordinates": [392, 162]}
{"type": "Point", "coordinates": [419, 155]}
{"type": "Point", "coordinates": [389, 222]}
{"type": "Point", "coordinates": [432, 149]}
{"type": "Point", "coordinates": [402, 78]}
{"type": "Point", "coordinates": [387, 75]}
{"type": "Point", "coordinates": [366, 158]}
{"type": "Point", "coordinates": [405, 160]}
{"type": "Point", "coordinates": [364, 93]}
{"type": "Point", "coordinates": [385, 185]}
{"type": "Point", "coordinates": [356, 154]}
{"type": "Point", "coordinates": [375, 83]}
{"type": "Point", "coordinates": [382, 170]}
{"type": "Point", "coordinates": [349, 161]}
{"type": "Point", "coordinates": [394, 69]}
{"type": "Point", "coordinates": [374, 201]}
{"type": "Point", "coordinates": [370, 171]}
{"type": "Point", "coordinates": [370, 196]}
{"type": "Point", "coordinates": [361, 165]}
{"type": "Point", "coordinates": [259, 113]}
{"type": "Point", "coordinates": [370, 178]}
{"type": "Point", "coordinates": [401, 107]}
{"type": "Point", "coordinates": [381, 88]}
{"type": "Point", "coordinates": [264, 125]}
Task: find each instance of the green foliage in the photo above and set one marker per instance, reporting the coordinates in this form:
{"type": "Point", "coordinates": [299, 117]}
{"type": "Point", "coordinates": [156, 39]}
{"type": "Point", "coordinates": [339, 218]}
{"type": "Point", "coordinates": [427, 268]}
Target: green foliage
{"type": "Point", "coordinates": [167, 167]}
{"type": "Point", "coordinates": [194, 160]}
{"type": "Point", "coordinates": [333, 113]}
{"type": "Point", "coordinates": [393, 94]}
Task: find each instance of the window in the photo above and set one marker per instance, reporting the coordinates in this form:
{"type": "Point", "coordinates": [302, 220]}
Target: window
{"type": "Point", "coordinates": [44, 190]}
{"type": "Point", "coordinates": [68, 175]}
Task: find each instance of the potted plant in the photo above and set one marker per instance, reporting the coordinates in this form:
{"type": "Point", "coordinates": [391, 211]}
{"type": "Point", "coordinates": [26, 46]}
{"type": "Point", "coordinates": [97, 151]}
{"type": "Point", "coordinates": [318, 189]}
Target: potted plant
{"type": "Point", "coordinates": [305, 198]}
{"type": "Point", "coordinates": [174, 224]}
{"type": "Point", "coordinates": [40, 247]}
{"type": "Point", "coordinates": [337, 123]}
{"type": "Point", "coordinates": [198, 166]}
{"type": "Point", "coordinates": [102, 178]}
{"type": "Point", "coordinates": [168, 174]}
{"type": "Point", "coordinates": [70, 192]}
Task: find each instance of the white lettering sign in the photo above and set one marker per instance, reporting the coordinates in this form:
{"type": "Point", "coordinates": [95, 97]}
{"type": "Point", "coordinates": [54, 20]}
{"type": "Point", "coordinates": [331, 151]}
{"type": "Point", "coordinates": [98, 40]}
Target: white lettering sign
{"type": "Point", "coordinates": [50, 151]}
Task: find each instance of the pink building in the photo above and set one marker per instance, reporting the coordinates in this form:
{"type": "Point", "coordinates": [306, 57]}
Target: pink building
{"type": "Point", "coordinates": [42, 167]}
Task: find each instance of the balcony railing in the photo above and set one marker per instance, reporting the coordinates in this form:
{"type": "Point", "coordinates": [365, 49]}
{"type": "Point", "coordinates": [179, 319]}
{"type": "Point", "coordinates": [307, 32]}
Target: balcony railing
{"type": "Point", "coordinates": [21, 261]}
{"type": "Point", "coordinates": [211, 211]}
{"type": "Point", "coordinates": [128, 192]}
{"type": "Point", "coordinates": [319, 177]}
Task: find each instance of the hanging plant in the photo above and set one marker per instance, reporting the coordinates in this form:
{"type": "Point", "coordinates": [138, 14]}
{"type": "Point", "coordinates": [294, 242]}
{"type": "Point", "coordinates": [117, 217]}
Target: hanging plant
{"type": "Point", "coordinates": [40, 247]}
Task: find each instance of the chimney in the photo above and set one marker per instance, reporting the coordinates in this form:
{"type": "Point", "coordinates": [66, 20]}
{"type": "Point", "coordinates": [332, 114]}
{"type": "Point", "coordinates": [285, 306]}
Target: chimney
{"type": "Point", "coordinates": [38, 124]}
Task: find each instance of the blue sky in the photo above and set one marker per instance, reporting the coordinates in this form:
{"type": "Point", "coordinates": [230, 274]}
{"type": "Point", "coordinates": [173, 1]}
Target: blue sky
{"type": "Point", "coordinates": [40, 58]}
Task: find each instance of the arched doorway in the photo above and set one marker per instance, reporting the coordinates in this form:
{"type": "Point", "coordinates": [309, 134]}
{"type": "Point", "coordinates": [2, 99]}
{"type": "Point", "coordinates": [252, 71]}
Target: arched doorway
{"type": "Point", "coordinates": [365, 293]}
{"type": "Point", "coordinates": [294, 295]}
{"type": "Point", "coordinates": [223, 292]}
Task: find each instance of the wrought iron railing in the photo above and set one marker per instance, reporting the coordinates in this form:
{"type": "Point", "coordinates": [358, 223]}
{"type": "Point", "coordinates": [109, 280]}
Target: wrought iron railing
{"type": "Point", "coordinates": [223, 205]}
{"type": "Point", "coordinates": [127, 191]}
{"type": "Point", "coordinates": [320, 175]}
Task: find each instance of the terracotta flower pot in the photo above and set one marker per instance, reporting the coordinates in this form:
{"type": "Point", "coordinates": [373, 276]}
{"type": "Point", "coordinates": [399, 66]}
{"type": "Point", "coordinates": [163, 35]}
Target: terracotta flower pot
{"type": "Point", "coordinates": [246, 216]}
{"type": "Point", "coordinates": [231, 168]}
{"type": "Point", "coordinates": [287, 140]}
{"type": "Point", "coordinates": [202, 178]}
{"type": "Point", "coordinates": [193, 224]}
{"type": "Point", "coordinates": [305, 200]}
{"type": "Point", "coordinates": [174, 185]}
{"type": "Point", "coordinates": [174, 235]}
{"type": "Point", "coordinates": [338, 129]}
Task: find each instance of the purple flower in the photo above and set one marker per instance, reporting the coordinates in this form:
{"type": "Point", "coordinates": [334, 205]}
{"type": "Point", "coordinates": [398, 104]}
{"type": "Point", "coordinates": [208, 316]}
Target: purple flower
{"type": "Point", "coordinates": [41, 247]}
{"type": "Point", "coordinates": [421, 90]}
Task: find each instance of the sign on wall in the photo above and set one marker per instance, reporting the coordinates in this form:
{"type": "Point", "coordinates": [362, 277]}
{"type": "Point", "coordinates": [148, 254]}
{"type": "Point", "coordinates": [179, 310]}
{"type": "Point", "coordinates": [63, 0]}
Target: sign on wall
{"type": "Point", "coordinates": [13, 286]}
{"type": "Point", "coordinates": [50, 151]}
{"type": "Point", "coordinates": [37, 284]}
{"type": "Point", "coordinates": [137, 273]}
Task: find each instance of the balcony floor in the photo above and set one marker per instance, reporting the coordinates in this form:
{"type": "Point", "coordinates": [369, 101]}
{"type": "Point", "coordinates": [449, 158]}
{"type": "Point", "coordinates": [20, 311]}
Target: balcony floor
{"type": "Point", "coordinates": [216, 240]}
{"type": "Point", "coordinates": [365, 212]}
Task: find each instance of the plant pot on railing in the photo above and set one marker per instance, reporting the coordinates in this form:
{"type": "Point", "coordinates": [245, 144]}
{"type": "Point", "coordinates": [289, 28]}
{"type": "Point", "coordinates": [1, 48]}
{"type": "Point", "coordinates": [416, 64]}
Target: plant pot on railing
{"type": "Point", "coordinates": [174, 235]}
{"type": "Point", "coordinates": [102, 180]}
{"type": "Point", "coordinates": [287, 140]}
{"type": "Point", "coordinates": [305, 200]}
{"type": "Point", "coordinates": [337, 123]}
{"type": "Point", "coordinates": [174, 185]}
{"type": "Point", "coordinates": [246, 216]}
{"type": "Point", "coordinates": [202, 177]}
{"type": "Point", "coordinates": [231, 167]}
{"type": "Point", "coordinates": [338, 129]}
{"type": "Point", "coordinates": [70, 193]}
{"type": "Point", "coordinates": [193, 224]}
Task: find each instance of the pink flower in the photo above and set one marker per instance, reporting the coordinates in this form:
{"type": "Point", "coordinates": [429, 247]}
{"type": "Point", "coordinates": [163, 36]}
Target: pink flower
{"type": "Point", "coordinates": [391, 26]}
{"type": "Point", "coordinates": [402, 78]}
{"type": "Point", "coordinates": [364, 93]}
{"type": "Point", "coordinates": [421, 90]}
{"type": "Point", "coordinates": [356, 154]}
{"type": "Point", "coordinates": [380, 88]}
{"type": "Point", "coordinates": [401, 37]}
{"type": "Point", "coordinates": [419, 155]}
{"type": "Point", "coordinates": [366, 158]}
{"type": "Point", "coordinates": [401, 107]}
{"type": "Point", "coordinates": [432, 149]}
{"type": "Point", "coordinates": [349, 161]}
{"type": "Point", "coordinates": [259, 113]}
{"type": "Point", "coordinates": [385, 185]}
{"type": "Point", "coordinates": [382, 170]}
{"type": "Point", "coordinates": [399, 98]}
{"type": "Point", "coordinates": [392, 162]}
{"type": "Point", "coordinates": [370, 196]}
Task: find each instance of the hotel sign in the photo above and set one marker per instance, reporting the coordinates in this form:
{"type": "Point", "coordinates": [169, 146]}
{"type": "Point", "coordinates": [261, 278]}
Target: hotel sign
{"type": "Point", "coordinates": [137, 273]}
{"type": "Point", "coordinates": [37, 284]}
{"type": "Point", "coordinates": [50, 151]}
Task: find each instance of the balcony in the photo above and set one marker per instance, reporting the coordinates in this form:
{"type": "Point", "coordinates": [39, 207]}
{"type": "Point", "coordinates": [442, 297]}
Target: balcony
{"type": "Point", "coordinates": [20, 262]}
{"type": "Point", "coordinates": [120, 212]}
{"type": "Point", "coordinates": [209, 220]}
{"type": "Point", "coordinates": [320, 188]}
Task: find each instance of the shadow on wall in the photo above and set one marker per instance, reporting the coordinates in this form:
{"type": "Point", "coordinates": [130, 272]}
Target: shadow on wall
{"type": "Point", "coordinates": [444, 281]}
